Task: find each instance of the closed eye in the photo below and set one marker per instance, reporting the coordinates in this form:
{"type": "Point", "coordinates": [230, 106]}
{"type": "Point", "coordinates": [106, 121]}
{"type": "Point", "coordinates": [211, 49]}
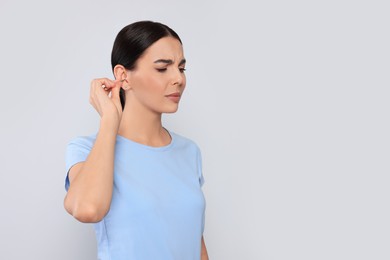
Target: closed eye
{"type": "Point", "coordinates": [182, 70]}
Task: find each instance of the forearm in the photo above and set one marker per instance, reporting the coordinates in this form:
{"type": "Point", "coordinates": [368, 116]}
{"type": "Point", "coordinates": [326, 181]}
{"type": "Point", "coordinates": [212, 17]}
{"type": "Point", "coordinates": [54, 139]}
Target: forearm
{"type": "Point", "coordinates": [89, 195]}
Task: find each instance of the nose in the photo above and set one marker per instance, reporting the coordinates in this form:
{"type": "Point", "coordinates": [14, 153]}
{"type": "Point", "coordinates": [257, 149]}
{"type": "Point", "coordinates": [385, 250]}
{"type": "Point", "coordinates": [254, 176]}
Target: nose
{"type": "Point", "coordinates": [179, 78]}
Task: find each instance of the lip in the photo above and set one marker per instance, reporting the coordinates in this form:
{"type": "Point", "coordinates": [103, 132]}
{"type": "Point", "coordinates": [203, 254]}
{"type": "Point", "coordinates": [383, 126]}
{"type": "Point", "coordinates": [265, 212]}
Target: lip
{"type": "Point", "coordinates": [175, 97]}
{"type": "Point", "coordinates": [176, 94]}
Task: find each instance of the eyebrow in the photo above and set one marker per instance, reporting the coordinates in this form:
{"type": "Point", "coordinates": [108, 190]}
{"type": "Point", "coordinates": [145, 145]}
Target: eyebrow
{"type": "Point", "coordinates": [169, 62]}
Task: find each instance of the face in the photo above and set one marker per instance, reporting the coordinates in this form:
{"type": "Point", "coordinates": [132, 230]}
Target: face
{"type": "Point", "coordinates": [158, 80]}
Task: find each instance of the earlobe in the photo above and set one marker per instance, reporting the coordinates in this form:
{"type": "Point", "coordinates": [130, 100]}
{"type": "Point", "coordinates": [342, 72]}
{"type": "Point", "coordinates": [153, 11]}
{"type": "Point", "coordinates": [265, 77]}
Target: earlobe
{"type": "Point", "coordinates": [125, 84]}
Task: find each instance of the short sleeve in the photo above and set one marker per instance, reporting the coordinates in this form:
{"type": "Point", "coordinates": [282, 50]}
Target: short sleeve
{"type": "Point", "coordinates": [201, 182]}
{"type": "Point", "coordinates": [77, 151]}
{"type": "Point", "coordinates": [200, 168]}
{"type": "Point", "coordinates": [203, 221]}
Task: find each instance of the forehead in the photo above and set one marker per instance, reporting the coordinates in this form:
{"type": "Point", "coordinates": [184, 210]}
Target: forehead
{"type": "Point", "coordinates": [164, 48]}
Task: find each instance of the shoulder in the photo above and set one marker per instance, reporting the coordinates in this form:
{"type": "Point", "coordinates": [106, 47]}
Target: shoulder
{"type": "Point", "coordinates": [83, 141]}
{"type": "Point", "coordinates": [78, 149]}
{"type": "Point", "coordinates": [182, 141]}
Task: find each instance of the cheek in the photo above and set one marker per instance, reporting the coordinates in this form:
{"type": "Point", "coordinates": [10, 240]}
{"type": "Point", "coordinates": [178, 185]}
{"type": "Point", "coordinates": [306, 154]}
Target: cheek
{"type": "Point", "coordinates": [150, 84]}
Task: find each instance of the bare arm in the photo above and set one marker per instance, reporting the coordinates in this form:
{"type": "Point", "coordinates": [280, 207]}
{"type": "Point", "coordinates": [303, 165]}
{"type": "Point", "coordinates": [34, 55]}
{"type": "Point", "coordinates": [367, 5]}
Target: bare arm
{"type": "Point", "coordinates": [204, 255]}
{"type": "Point", "coordinates": [89, 195]}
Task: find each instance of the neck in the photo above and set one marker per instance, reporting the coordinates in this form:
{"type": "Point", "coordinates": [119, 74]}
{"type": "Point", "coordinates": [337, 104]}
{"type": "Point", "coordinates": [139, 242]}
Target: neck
{"type": "Point", "coordinates": [142, 125]}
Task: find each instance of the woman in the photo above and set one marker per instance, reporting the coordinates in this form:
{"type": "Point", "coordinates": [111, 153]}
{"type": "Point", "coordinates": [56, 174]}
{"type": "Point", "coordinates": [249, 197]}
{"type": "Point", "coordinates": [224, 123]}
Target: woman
{"type": "Point", "coordinates": [137, 181]}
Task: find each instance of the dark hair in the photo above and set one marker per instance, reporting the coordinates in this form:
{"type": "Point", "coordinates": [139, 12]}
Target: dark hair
{"type": "Point", "coordinates": [132, 41]}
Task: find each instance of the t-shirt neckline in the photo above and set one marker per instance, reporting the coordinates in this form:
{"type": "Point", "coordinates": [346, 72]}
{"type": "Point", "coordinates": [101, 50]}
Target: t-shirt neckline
{"type": "Point", "coordinates": [154, 148]}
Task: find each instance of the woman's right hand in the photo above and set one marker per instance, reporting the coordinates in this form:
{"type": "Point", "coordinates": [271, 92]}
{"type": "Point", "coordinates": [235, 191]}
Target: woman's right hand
{"type": "Point", "coordinates": [91, 182]}
{"type": "Point", "coordinates": [104, 97]}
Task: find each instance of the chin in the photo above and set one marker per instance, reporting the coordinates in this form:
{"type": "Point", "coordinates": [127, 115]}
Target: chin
{"type": "Point", "coordinates": [171, 109]}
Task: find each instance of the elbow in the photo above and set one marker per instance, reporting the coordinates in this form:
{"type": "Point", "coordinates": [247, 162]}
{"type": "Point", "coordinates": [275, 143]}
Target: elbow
{"type": "Point", "coordinates": [84, 212]}
{"type": "Point", "coordinates": [88, 214]}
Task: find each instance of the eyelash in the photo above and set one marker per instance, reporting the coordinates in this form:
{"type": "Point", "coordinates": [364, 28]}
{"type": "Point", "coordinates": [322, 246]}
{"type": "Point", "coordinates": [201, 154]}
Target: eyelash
{"type": "Point", "coordinates": [182, 70]}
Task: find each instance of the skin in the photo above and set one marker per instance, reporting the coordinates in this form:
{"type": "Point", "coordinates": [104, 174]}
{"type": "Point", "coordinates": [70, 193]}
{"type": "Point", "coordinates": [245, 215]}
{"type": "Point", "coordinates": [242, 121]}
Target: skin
{"type": "Point", "coordinates": [158, 72]}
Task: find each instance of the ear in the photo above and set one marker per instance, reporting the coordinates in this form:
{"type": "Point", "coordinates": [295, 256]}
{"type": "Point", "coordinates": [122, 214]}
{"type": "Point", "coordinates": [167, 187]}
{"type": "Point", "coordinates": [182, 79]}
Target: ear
{"type": "Point", "coordinates": [122, 74]}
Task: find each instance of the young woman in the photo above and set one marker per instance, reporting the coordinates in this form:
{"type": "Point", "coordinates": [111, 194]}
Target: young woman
{"type": "Point", "coordinates": [139, 183]}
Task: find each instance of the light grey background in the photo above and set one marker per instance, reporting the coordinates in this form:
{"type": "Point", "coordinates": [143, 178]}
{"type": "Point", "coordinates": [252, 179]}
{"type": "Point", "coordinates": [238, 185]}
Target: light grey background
{"type": "Point", "coordinates": [288, 101]}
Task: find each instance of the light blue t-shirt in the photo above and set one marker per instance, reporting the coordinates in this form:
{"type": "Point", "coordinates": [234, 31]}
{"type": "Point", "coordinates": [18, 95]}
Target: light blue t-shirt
{"type": "Point", "coordinates": [158, 208]}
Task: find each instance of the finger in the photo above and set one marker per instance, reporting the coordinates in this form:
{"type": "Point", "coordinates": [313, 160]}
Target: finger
{"type": "Point", "coordinates": [97, 92]}
{"type": "Point", "coordinates": [105, 83]}
{"type": "Point", "coordinates": [116, 90]}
